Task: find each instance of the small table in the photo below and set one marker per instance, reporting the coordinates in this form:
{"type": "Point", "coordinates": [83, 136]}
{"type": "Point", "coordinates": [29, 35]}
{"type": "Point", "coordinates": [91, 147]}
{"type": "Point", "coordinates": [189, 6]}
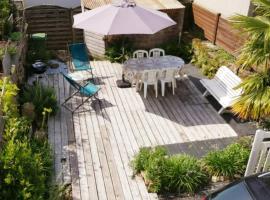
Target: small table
{"type": "Point", "coordinates": [133, 68]}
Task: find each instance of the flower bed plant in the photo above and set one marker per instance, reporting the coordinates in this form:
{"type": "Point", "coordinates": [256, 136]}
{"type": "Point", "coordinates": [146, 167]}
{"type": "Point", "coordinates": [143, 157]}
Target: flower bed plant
{"type": "Point", "coordinates": [119, 50]}
{"type": "Point", "coordinates": [163, 173]}
{"type": "Point", "coordinates": [41, 97]}
{"type": "Point", "coordinates": [184, 174]}
{"type": "Point", "coordinates": [25, 160]}
{"type": "Point", "coordinates": [209, 57]}
{"type": "Point", "coordinates": [229, 162]}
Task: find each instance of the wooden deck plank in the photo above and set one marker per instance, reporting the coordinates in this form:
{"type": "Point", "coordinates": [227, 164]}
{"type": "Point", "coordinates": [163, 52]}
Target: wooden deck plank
{"type": "Point", "coordinates": [104, 159]}
{"type": "Point", "coordinates": [72, 151]}
{"type": "Point", "coordinates": [130, 108]}
{"type": "Point", "coordinates": [90, 174]}
{"type": "Point", "coordinates": [125, 101]}
{"type": "Point", "coordinates": [126, 131]}
{"type": "Point", "coordinates": [81, 159]}
{"type": "Point", "coordinates": [118, 147]}
{"type": "Point", "coordinates": [98, 145]}
{"type": "Point", "coordinates": [64, 134]}
{"type": "Point", "coordinates": [118, 151]}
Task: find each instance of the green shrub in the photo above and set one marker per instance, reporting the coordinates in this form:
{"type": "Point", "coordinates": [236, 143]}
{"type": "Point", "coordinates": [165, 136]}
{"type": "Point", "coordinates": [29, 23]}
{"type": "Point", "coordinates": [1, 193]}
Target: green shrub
{"type": "Point", "coordinates": [5, 7]}
{"type": "Point", "coordinates": [185, 174]}
{"type": "Point", "coordinates": [8, 93]}
{"type": "Point", "coordinates": [17, 128]}
{"type": "Point", "coordinates": [141, 160]}
{"type": "Point", "coordinates": [60, 192]}
{"type": "Point", "coordinates": [12, 50]}
{"type": "Point", "coordinates": [209, 57]}
{"type": "Point", "coordinates": [22, 171]}
{"type": "Point", "coordinates": [163, 173]}
{"type": "Point", "coordinates": [16, 36]}
{"type": "Point", "coordinates": [119, 50]}
{"type": "Point", "coordinates": [145, 156]}
{"type": "Point", "coordinates": [182, 49]}
{"type": "Point", "coordinates": [25, 163]}
{"type": "Point", "coordinates": [2, 52]}
{"type": "Point", "coordinates": [37, 50]}
{"type": "Point", "coordinates": [228, 162]}
{"type": "Point", "coordinates": [42, 97]}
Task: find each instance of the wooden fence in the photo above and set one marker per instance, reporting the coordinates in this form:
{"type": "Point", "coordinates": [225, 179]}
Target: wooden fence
{"type": "Point", "coordinates": [17, 61]}
{"type": "Point", "coordinates": [217, 29]}
{"type": "Point", "coordinates": [56, 22]}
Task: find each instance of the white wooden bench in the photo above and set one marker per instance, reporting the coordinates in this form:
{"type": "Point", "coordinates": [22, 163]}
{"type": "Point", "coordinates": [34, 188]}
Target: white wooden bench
{"type": "Point", "coordinates": [222, 87]}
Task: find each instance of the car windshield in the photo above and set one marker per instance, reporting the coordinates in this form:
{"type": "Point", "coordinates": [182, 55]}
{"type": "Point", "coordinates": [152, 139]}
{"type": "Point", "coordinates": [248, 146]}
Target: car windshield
{"type": "Point", "coordinates": [239, 190]}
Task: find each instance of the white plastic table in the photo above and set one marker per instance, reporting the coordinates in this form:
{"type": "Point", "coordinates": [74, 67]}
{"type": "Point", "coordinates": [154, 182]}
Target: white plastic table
{"type": "Point", "coordinates": [133, 68]}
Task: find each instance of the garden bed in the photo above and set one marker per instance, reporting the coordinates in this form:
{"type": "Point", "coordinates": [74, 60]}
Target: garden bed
{"type": "Point", "coordinates": [182, 175]}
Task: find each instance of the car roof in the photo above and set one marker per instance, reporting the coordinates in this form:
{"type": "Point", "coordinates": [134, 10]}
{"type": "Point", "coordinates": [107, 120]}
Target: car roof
{"type": "Point", "coordinates": [259, 186]}
{"type": "Point", "coordinates": [255, 184]}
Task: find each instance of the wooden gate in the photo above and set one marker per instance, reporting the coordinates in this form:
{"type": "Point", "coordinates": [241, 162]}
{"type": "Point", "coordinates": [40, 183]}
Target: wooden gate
{"type": "Point", "coordinates": [56, 22]}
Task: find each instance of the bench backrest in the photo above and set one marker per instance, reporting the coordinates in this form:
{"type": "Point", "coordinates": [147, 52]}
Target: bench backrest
{"type": "Point", "coordinates": [227, 77]}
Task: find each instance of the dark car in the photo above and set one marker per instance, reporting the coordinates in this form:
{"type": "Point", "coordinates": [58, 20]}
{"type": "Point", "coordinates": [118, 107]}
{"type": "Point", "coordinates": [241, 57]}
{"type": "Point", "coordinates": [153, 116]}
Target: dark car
{"type": "Point", "coordinates": [254, 187]}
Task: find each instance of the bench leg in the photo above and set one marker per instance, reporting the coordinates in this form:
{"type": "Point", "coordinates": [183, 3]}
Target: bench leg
{"type": "Point", "coordinates": [221, 110]}
{"type": "Point", "coordinates": [206, 93]}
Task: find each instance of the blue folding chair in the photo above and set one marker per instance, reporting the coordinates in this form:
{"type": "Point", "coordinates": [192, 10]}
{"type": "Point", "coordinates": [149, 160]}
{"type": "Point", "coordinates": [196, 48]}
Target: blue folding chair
{"type": "Point", "coordinates": [79, 57]}
{"type": "Point", "coordinates": [88, 90]}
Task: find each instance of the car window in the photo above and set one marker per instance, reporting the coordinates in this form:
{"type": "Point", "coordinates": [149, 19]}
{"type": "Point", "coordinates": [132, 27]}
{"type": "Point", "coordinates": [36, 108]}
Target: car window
{"type": "Point", "coordinates": [238, 191]}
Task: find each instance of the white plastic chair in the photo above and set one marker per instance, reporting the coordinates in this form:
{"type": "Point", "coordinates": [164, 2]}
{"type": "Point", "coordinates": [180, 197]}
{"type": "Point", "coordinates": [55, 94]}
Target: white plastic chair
{"type": "Point", "coordinates": [156, 52]}
{"type": "Point", "coordinates": [149, 78]}
{"type": "Point", "coordinates": [140, 54]}
{"type": "Point", "coordinates": [168, 77]}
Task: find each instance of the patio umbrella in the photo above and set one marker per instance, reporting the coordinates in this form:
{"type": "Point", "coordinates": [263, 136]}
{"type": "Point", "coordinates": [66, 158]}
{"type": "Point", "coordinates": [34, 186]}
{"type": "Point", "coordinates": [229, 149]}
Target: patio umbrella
{"type": "Point", "coordinates": [122, 18]}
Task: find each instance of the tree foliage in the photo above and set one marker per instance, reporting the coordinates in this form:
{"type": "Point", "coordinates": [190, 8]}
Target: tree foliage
{"type": "Point", "coordinates": [254, 103]}
{"type": "Point", "coordinates": [256, 29]}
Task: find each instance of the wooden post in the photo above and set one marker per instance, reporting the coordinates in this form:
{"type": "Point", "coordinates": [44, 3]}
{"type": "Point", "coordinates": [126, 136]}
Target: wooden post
{"type": "Point", "coordinates": [216, 28]}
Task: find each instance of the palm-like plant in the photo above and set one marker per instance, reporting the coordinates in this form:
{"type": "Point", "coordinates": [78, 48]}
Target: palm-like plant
{"type": "Point", "coordinates": [254, 103]}
{"type": "Point", "coordinates": [256, 50]}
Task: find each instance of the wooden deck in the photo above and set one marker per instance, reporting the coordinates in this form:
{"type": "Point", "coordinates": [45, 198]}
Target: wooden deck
{"type": "Point", "coordinates": [93, 149]}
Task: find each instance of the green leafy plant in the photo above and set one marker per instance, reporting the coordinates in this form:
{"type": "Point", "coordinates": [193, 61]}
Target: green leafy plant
{"type": "Point", "coordinates": [25, 163]}
{"type": "Point", "coordinates": [17, 128]}
{"type": "Point", "coordinates": [8, 92]}
{"type": "Point", "coordinates": [4, 13]}
{"type": "Point", "coordinates": [46, 113]}
{"type": "Point", "coordinates": [209, 58]}
{"type": "Point", "coordinates": [23, 171]}
{"type": "Point", "coordinates": [16, 36]}
{"type": "Point", "coordinates": [119, 50]}
{"type": "Point", "coordinates": [42, 97]}
{"type": "Point", "coordinates": [163, 173]}
{"type": "Point", "coordinates": [12, 50]}
{"type": "Point", "coordinates": [254, 101]}
{"type": "Point", "coordinates": [228, 162]}
{"type": "Point", "coordinates": [185, 174]}
{"type": "Point", "coordinates": [37, 51]}
{"type": "Point", "coordinates": [2, 52]}
{"type": "Point", "coordinates": [256, 30]}
{"type": "Point", "coordinates": [141, 160]}
{"type": "Point", "coordinates": [60, 192]}
{"type": "Point", "coordinates": [182, 49]}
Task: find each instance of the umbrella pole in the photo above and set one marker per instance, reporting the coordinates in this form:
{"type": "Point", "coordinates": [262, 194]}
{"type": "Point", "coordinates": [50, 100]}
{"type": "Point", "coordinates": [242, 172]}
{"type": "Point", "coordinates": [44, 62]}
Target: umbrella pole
{"type": "Point", "coordinates": [123, 83]}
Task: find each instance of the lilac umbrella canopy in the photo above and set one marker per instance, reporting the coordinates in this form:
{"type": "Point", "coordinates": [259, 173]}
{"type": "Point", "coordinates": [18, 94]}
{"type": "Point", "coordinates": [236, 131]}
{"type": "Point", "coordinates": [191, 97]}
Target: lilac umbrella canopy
{"type": "Point", "coordinates": [122, 18]}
